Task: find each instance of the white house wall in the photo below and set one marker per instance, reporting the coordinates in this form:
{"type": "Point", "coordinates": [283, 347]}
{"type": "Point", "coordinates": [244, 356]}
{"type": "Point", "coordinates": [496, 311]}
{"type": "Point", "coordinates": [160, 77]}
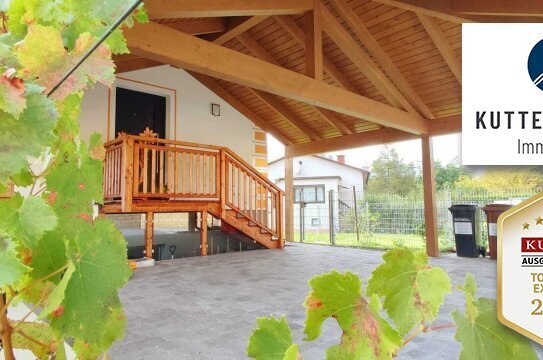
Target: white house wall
{"type": "Point", "coordinates": [188, 111]}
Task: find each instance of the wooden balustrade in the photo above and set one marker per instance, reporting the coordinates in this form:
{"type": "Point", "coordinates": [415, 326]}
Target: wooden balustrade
{"type": "Point", "coordinates": [143, 168]}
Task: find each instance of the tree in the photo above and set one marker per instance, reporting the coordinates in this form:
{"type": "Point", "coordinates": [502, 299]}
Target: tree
{"type": "Point", "coordinates": [493, 179]}
{"type": "Point", "coordinates": [389, 173]}
{"type": "Point", "coordinates": [447, 176]}
{"type": "Point", "coordinates": [53, 254]}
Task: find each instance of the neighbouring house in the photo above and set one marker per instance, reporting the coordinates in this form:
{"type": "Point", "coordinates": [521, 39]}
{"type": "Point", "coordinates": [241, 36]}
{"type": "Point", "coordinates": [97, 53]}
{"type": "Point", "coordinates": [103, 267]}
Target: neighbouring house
{"type": "Point", "coordinates": [318, 180]}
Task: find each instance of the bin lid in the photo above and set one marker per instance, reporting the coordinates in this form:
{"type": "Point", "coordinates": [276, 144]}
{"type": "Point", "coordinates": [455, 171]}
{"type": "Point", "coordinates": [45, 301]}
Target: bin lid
{"type": "Point", "coordinates": [497, 207]}
{"type": "Point", "coordinates": [465, 207]}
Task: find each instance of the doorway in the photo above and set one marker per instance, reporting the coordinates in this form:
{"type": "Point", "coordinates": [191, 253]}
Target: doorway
{"type": "Point", "coordinates": [135, 111]}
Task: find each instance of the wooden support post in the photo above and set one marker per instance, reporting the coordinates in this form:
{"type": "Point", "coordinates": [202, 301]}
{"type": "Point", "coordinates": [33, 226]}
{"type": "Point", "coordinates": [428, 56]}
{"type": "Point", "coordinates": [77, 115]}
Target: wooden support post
{"type": "Point", "coordinates": [289, 199]}
{"type": "Point", "coordinates": [149, 233]}
{"type": "Point", "coordinates": [203, 234]}
{"type": "Point", "coordinates": [313, 39]}
{"type": "Point", "coordinates": [430, 206]}
{"type": "Point", "coordinates": [128, 170]}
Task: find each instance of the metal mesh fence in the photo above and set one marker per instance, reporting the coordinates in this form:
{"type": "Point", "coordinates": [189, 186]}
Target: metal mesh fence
{"type": "Point", "coordinates": [350, 218]}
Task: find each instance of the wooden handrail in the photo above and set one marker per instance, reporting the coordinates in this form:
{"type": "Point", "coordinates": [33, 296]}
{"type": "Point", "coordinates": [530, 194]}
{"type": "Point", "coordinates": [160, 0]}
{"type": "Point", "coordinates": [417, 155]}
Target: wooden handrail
{"type": "Point", "coordinates": [141, 167]}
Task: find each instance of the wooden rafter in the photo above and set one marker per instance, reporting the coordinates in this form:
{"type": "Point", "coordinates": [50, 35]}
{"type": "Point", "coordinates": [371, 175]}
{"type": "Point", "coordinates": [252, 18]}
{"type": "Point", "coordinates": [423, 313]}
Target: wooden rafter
{"type": "Point", "coordinates": [444, 48]}
{"type": "Point", "coordinates": [500, 7]}
{"type": "Point", "coordinates": [263, 54]}
{"type": "Point", "coordinates": [286, 114]}
{"type": "Point", "coordinates": [126, 63]}
{"type": "Point", "coordinates": [439, 126]}
{"type": "Point", "coordinates": [167, 9]}
{"type": "Point", "coordinates": [200, 26]}
{"type": "Point", "coordinates": [154, 41]}
{"type": "Point", "coordinates": [361, 59]}
{"type": "Point", "coordinates": [236, 104]}
{"type": "Point", "coordinates": [238, 26]}
{"type": "Point", "coordinates": [313, 42]}
{"type": "Point", "coordinates": [298, 35]}
{"type": "Point", "coordinates": [360, 30]}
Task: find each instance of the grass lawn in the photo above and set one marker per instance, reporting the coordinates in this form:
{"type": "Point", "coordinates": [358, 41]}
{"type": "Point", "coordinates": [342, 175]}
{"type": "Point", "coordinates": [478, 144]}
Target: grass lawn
{"type": "Point", "coordinates": [373, 241]}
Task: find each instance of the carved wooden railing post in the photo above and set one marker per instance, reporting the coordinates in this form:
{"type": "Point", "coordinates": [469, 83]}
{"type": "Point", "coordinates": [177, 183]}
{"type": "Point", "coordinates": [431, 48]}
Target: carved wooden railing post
{"type": "Point", "coordinates": [279, 219]}
{"type": "Point", "coordinates": [222, 184]}
{"type": "Point", "coordinates": [128, 174]}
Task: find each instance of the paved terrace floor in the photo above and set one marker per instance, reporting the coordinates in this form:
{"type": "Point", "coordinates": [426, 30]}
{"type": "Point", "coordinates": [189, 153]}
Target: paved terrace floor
{"type": "Point", "coordinates": [205, 308]}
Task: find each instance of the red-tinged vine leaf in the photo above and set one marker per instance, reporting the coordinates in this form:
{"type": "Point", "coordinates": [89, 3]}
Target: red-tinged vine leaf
{"type": "Point", "coordinates": [97, 150]}
{"type": "Point", "coordinates": [67, 127]}
{"type": "Point", "coordinates": [28, 135]}
{"type": "Point", "coordinates": [366, 335]}
{"type": "Point", "coordinates": [11, 269]}
{"type": "Point", "coordinates": [98, 252]}
{"type": "Point", "coordinates": [482, 336]}
{"type": "Point", "coordinates": [12, 99]}
{"type": "Point", "coordinates": [413, 291]}
{"type": "Point", "coordinates": [45, 42]}
{"type": "Point", "coordinates": [272, 340]}
{"type": "Point", "coordinates": [43, 333]}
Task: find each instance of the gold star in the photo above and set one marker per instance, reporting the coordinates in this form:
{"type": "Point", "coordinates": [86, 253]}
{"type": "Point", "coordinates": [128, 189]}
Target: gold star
{"type": "Point", "coordinates": [539, 220]}
{"type": "Point", "coordinates": [525, 226]}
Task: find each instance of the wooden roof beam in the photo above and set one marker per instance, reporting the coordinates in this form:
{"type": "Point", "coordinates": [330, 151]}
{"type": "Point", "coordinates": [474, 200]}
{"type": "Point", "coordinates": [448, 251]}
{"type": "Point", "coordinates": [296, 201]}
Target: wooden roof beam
{"type": "Point", "coordinates": [439, 126]}
{"type": "Point", "coordinates": [154, 41]}
{"type": "Point", "coordinates": [200, 26]}
{"type": "Point", "coordinates": [167, 9]}
{"type": "Point", "coordinates": [298, 35]}
{"type": "Point", "coordinates": [361, 59]}
{"type": "Point", "coordinates": [236, 104]}
{"type": "Point", "coordinates": [286, 114]}
{"type": "Point", "coordinates": [124, 63]}
{"type": "Point", "coordinates": [500, 7]}
{"type": "Point", "coordinates": [237, 26]}
{"type": "Point", "coordinates": [313, 42]}
{"type": "Point", "coordinates": [442, 45]}
{"type": "Point", "coordinates": [263, 54]}
{"type": "Point", "coordinates": [360, 30]}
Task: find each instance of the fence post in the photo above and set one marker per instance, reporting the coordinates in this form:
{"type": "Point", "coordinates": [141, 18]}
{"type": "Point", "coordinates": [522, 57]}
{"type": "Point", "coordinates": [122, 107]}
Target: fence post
{"type": "Point", "coordinates": [331, 217]}
{"type": "Point", "coordinates": [356, 214]}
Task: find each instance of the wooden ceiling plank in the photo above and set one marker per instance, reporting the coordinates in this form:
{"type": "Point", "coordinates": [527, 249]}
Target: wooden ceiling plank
{"type": "Point", "coordinates": [298, 35]}
{"type": "Point", "coordinates": [442, 45]}
{"type": "Point", "coordinates": [238, 26]}
{"type": "Point", "coordinates": [236, 104]}
{"type": "Point", "coordinates": [154, 41]}
{"type": "Point", "coordinates": [167, 9]}
{"type": "Point", "coordinates": [365, 64]}
{"type": "Point", "coordinates": [200, 26]}
{"type": "Point", "coordinates": [438, 126]}
{"type": "Point", "coordinates": [313, 43]}
{"type": "Point", "coordinates": [380, 55]}
{"type": "Point", "coordinates": [263, 54]}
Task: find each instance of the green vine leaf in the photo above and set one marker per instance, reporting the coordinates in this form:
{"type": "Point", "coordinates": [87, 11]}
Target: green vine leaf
{"type": "Point", "coordinates": [482, 336]}
{"type": "Point", "coordinates": [98, 252]}
{"type": "Point", "coordinates": [57, 295]}
{"type": "Point", "coordinates": [272, 340]}
{"type": "Point", "coordinates": [11, 268]}
{"type": "Point", "coordinates": [12, 98]}
{"type": "Point", "coordinates": [413, 291]}
{"type": "Point", "coordinates": [44, 334]}
{"type": "Point", "coordinates": [366, 335]}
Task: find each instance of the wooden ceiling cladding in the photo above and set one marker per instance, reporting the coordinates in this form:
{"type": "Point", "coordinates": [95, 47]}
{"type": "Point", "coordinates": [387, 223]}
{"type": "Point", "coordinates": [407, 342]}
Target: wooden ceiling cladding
{"type": "Point", "coordinates": [400, 34]}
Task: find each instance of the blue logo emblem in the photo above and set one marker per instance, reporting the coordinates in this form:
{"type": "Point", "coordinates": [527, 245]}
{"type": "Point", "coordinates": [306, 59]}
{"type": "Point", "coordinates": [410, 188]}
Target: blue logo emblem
{"type": "Point", "coordinates": [535, 65]}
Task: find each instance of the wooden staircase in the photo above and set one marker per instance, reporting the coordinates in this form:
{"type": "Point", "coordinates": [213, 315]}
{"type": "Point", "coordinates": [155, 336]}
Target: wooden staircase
{"type": "Point", "coordinates": [144, 174]}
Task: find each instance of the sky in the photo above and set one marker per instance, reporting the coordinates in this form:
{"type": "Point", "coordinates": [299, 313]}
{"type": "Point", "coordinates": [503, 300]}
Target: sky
{"type": "Point", "coordinates": [446, 150]}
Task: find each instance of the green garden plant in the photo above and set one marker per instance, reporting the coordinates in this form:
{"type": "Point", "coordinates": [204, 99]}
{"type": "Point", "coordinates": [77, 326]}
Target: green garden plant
{"type": "Point", "coordinates": [401, 301]}
{"type": "Point", "coordinates": [54, 255]}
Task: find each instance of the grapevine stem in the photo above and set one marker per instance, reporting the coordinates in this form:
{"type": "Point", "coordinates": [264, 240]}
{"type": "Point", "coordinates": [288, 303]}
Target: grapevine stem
{"type": "Point", "coordinates": [28, 337]}
{"type": "Point", "coordinates": [424, 328]}
{"type": "Point", "coordinates": [5, 332]}
{"type": "Point", "coordinates": [18, 323]}
{"type": "Point", "coordinates": [5, 306]}
{"type": "Point", "coordinates": [439, 327]}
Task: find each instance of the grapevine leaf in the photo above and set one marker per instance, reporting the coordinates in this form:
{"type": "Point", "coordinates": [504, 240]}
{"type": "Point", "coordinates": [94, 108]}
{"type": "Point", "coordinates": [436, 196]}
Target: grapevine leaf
{"type": "Point", "coordinates": [57, 295]}
{"type": "Point", "coordinates": [272, 340]}
{"type": "Point", "coordinates": [482, 336]}
{"type": "Point", "coordinates": [42, 333]}
{"type": "Point", "coordinates": [36, 217]}
{"type": "Point", "coordinates": [98, 251]}
{"type": "Point", "coordinates": [366, 334]}
{"type": "Point", "coordinates": [413, 291]}
{"type": "Point", "coordinates": [24, 178]}
{"type": "Point", "coordinates": [16, 12]}
{"type": "Point", "coordinates": [12, 98]}
{"type": "Point", "coordinates": [28, 135]}
{"type": "Point", "coordinates": [48, 255]}
{"type": "Point", "coordinates": [11, 268]}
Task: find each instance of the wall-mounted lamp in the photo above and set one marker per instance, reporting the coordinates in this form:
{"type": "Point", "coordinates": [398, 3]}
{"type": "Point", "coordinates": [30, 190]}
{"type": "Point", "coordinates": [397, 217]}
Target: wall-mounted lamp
{"type": "Point", "coordinates": [215, 110]}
